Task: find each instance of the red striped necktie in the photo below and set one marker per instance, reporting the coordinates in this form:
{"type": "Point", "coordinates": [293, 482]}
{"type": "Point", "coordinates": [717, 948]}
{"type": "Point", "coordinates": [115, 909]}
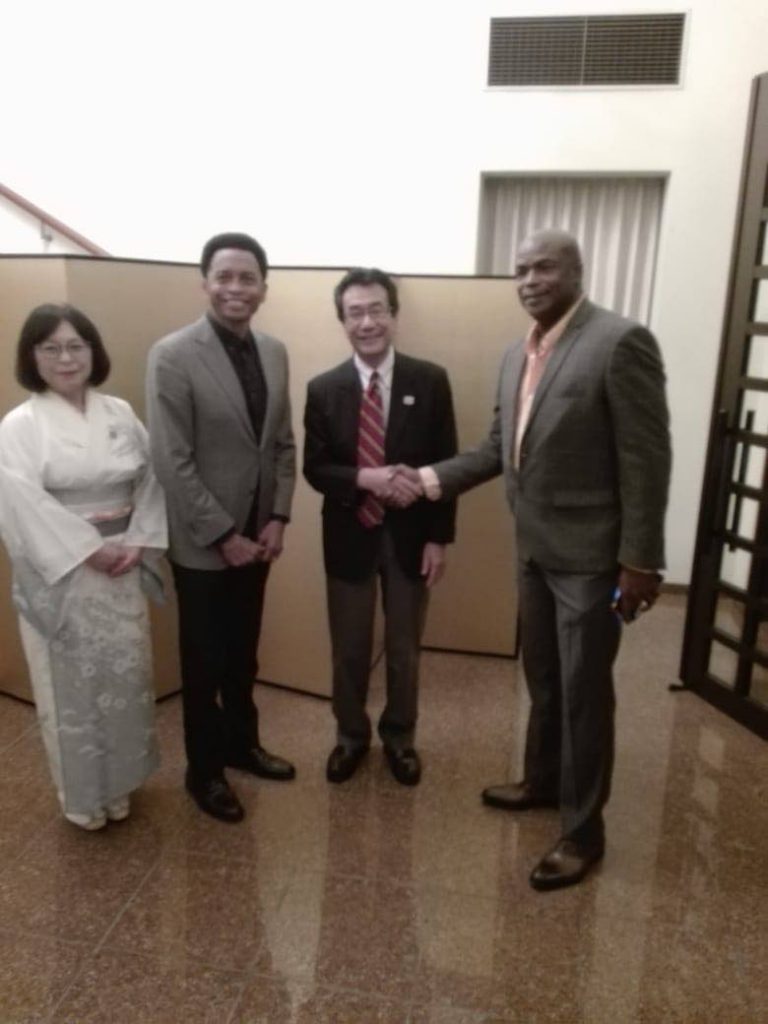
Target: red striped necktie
{"type": "Point", "coordinates": [370, 448]}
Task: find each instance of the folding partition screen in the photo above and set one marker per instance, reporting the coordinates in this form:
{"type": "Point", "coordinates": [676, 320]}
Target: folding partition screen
{"type": "Point", "coordinates": [462, 323]}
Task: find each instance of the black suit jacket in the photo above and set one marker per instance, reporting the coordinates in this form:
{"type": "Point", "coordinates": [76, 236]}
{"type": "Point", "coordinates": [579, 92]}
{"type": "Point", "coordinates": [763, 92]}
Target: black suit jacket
{"type": "Point", "coordinates": [421, 430]}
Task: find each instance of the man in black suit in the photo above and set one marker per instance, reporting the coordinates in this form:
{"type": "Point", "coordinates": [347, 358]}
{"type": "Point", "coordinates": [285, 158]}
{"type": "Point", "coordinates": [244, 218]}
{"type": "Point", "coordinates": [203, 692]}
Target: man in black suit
{"type": "Point", "coordinates": [363, 418]}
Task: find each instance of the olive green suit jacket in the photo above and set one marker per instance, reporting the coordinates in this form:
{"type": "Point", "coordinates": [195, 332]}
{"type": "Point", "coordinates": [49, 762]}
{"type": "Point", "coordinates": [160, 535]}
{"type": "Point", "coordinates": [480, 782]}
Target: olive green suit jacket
{"type": "Point", "coordinates": [590, 491]}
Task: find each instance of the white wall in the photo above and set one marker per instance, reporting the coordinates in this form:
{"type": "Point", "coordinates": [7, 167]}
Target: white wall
{"type": "Point", "coordinates": [351, 131]}
{"type": "Point", "coordinates": [20, 232]}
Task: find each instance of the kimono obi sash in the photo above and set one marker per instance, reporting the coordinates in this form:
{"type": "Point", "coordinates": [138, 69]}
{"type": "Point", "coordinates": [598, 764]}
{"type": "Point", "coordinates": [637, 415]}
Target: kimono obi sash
{"type": "Point", "coordinates": [108, 508]}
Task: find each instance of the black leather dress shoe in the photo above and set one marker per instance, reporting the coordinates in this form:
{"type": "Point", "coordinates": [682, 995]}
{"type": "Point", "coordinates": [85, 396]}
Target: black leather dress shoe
{"type": "Point", "coordinates": [343, 763]}
{"type": "Point", "coordinates": [216, 798]}
{"type": "Point", "coordinates": [405, 765]}
{"type": "Point", "coordinates": [566, 864]}
{"type": "Point", "coordinates": [517, 796]}
{"type": "Point", "coordinates": [259, 761]}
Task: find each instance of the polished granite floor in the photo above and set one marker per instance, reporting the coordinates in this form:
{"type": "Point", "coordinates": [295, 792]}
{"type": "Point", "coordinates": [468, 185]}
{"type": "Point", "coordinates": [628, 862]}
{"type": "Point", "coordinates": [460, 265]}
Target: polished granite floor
{"type": "Point", "coordinates": [368, 903]}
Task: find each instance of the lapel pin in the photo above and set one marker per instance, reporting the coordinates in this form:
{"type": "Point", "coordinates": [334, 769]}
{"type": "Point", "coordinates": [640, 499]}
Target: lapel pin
{"type": "Point", "coordinates": [409, 400]}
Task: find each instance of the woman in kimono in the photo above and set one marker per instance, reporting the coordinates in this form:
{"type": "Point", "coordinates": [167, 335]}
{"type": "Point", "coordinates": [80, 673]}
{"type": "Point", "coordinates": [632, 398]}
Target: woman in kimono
{"type": "Point", "coordinates": [82, 517]}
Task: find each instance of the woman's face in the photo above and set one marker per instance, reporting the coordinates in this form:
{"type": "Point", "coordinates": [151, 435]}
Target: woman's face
{"type": "Point", "coordinates": [64, 361]}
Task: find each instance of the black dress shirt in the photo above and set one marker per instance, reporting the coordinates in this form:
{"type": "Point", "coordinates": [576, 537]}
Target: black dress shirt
{"type": "Point", "coordinates": [244, 356]}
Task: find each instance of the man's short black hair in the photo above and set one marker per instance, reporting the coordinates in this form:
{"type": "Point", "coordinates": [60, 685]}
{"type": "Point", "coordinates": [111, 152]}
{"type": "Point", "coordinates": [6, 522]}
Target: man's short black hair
{"type": "Point", "coordinates": [233, 240]}
{"type": "Point", "coordinates": [39, 326]}
{"type": "Point", "coordinates": [365, 276]}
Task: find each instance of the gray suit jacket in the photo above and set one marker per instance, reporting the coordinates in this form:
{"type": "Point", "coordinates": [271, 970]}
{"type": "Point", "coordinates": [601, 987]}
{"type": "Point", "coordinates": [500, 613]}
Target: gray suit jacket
{"type": "Point", "coordinates": [204, 450]}
{"type": "Point", "coordinates": [595, 459]}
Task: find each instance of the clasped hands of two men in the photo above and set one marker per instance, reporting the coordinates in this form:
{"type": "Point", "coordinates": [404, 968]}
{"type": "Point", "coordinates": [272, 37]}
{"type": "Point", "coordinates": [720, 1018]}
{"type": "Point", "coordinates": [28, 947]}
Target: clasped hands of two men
{"type": "Point", "coordinates": [401, 485]}
{"type": "Point", "coordinates": [398, 486]}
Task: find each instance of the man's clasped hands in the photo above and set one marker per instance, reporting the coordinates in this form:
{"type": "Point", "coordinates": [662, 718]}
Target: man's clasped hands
{"type": "Point", "coordinates": [398, 486]}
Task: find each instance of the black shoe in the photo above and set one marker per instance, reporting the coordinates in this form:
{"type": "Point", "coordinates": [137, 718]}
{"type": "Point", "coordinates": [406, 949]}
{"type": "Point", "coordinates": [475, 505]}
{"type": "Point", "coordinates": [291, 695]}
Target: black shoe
{"type": "Point", "coordinates": [342, 763]}
{"type": "Point", "coordinates": [517, 796]}
{"type": "Point", "coordinates": [259, 761]}
{"type": "Point", "coordinates": [566, 864]}
{"type": "Point", "coordinates": [215, 797]}
{"type": "Point", "coordinates": [405, 765]}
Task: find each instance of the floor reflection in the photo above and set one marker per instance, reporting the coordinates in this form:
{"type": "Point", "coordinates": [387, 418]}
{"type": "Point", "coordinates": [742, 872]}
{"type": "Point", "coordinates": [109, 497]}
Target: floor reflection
{"type": "Point", "coordinates": [369, 902]}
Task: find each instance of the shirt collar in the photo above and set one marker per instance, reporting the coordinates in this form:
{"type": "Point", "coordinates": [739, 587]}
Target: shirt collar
{"type": "Point", "coordinates": [384, 369]}
{"type": "Point", "coordinates": [225, 336]}
{"type": "Point", "coordinates": [540, 342]}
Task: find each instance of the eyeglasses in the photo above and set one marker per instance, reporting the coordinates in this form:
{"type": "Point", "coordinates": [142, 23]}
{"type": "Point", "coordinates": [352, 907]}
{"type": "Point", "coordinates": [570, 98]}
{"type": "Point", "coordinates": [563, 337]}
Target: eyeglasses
{"type": "Point", "coordinates": [51, 351]}
{"type": "Point", "coordinates": [357, 314]}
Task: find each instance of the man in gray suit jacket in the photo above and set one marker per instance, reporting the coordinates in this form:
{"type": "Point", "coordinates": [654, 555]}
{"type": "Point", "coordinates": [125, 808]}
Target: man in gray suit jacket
{"type": "Point", "coordinates": [581, 433]}
{"type": "Point", "coordinates": [223, 449]}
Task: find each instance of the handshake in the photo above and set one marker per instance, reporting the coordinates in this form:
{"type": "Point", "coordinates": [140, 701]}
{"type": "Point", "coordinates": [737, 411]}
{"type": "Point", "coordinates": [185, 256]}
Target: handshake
{"type": "Point", "coordinates": [398, 486]}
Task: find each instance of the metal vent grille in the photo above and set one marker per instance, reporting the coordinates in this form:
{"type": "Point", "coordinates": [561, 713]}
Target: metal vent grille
{"type": "Point", "coordinates": [637, 49]}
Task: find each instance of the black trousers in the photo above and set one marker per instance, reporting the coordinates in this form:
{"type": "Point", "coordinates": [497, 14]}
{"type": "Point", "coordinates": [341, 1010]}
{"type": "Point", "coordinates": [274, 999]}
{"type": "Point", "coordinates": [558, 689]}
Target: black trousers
{"type": "Point", "coordinates": [219, 626]}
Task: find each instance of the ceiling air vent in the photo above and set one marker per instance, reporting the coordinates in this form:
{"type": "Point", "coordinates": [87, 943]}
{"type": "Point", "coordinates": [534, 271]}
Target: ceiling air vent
{"type": "Point", "coordinates": [636, 49]}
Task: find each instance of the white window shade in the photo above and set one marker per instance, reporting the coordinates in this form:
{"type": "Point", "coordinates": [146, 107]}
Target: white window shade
{"type": "Point", "coordinates": [616, 221]}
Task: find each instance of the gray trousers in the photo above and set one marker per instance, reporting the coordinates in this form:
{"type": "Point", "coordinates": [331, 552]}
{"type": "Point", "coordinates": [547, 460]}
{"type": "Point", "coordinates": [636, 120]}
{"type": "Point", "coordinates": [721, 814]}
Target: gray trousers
{"type": "Point", "coordinates": [351, 610]}
{"type": "Point", "coordinates": [570, 637]}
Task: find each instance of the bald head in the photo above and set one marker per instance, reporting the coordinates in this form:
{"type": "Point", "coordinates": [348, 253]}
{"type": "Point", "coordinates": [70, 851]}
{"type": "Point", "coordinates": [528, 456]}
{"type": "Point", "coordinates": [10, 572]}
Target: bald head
{"type": "Point", "coordinates": [554, 241]}
{"type": "Point", "coordinates": [548, 274]}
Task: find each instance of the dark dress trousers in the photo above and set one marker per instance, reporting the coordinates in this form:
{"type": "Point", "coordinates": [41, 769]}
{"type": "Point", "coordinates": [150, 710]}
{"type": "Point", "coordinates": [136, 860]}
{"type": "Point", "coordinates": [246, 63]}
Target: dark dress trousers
{"type": "Point", "coordinates": [589, 495]}
{"type": "Point", "coordinates": [420, 428]}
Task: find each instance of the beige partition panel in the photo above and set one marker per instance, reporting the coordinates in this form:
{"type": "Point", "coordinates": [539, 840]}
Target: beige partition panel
{"type": "Point", "coordinates": [465, 324]}
{"type": "Point", "coordinates": [462, 323]}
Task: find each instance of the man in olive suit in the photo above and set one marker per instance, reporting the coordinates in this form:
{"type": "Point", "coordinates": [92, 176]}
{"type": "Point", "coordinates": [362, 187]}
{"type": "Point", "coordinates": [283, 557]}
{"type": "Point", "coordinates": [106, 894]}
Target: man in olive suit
{"type": "Point", "coordinates": [581, 433]}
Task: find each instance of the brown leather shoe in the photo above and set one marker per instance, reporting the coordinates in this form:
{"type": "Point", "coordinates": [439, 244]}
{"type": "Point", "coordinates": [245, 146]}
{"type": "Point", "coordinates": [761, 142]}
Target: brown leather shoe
{"type": "Point", "coordinates": [566, 864]}
{"type": "Point", "coordinates": [260, 762]}
{"type": "Point", "coordinates": [343, 763]}
{"type": "Point", "coordinates": [405, 765]}
{"type": "Point", "coordinates": [517, 796]}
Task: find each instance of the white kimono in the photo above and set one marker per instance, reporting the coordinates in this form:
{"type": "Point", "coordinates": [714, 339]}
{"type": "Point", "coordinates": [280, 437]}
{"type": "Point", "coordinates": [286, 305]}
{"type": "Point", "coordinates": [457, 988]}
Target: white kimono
{"type": "Point", "coordinates": [68, 482]}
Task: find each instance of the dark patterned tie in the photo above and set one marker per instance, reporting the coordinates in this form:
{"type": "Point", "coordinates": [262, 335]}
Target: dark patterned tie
{"type": "Point", "coordinates": [370, 448]}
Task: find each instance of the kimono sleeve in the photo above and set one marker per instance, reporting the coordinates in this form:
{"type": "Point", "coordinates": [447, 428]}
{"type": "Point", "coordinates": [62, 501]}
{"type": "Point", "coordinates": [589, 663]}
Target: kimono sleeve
{"type": "Point", "coordinates": [36, 528]}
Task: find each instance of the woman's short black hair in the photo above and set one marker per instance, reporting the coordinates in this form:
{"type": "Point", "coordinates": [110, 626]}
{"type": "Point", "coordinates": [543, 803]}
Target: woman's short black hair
{"type": "Point", "coordinates": [366, 276]}
{"type": "Point", "coordinates": [40, 325]}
